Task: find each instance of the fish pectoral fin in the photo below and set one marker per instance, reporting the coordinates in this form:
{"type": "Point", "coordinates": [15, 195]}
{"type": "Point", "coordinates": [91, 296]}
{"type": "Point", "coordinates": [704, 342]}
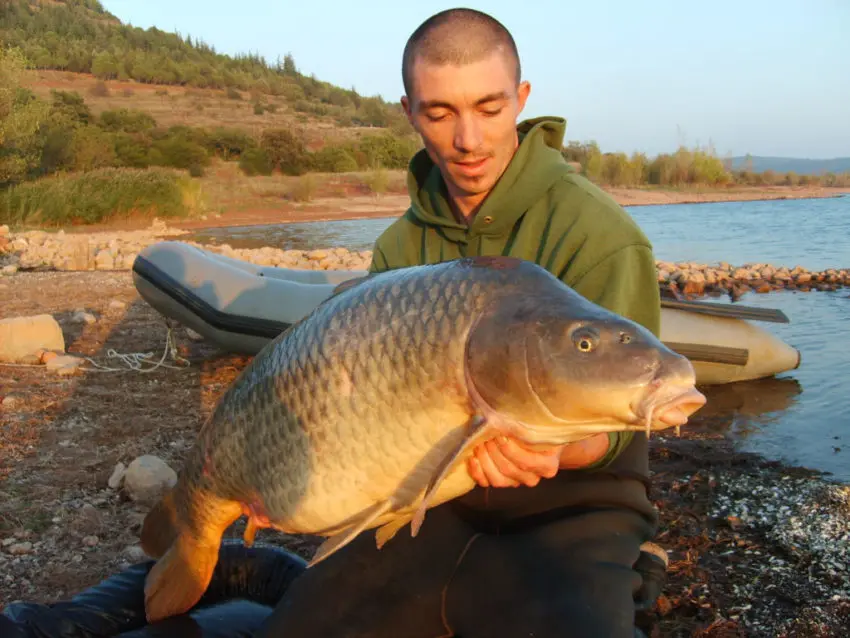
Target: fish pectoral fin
{"type": "Point", "coordinates": [343, 538]}
{"type": "Point", "coordinates": [386, 532]}
{"type": "Point", "coordinates": [477, 429]}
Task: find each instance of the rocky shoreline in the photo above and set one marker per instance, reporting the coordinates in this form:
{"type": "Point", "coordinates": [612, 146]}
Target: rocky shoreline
{"type": "Point", "coordinates": [115, 251]}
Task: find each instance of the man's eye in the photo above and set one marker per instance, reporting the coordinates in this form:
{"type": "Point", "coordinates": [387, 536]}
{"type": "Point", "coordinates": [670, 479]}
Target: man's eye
{"type": "Point", "coordinates": [491, 112]}
{"type": "Point", "coordinates": [436, 117]}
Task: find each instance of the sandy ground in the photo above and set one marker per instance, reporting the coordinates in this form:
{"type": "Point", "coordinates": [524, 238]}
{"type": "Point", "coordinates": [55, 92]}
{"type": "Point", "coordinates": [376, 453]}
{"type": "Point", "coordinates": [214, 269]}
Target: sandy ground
{"type": "Point", "coordinates": [62, 436]}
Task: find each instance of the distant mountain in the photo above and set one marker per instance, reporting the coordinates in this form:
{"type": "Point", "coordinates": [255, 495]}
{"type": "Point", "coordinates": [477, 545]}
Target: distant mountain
{"type": "Point", "coordinates": [798, 165]}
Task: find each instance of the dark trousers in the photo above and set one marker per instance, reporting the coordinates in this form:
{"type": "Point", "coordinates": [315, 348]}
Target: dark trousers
{"type": "Point", "coordinates": [567, 571]}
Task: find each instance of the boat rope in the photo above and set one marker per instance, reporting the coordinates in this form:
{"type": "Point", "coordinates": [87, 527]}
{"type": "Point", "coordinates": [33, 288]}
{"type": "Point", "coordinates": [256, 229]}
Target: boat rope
{"type": "Point", "coordinates": [135, 360]}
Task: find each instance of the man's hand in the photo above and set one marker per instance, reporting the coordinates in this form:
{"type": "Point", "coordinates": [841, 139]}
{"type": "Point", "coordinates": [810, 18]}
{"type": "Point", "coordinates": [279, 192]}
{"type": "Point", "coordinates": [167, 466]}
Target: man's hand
{"type": "Point", "coordinates": [504, 462]}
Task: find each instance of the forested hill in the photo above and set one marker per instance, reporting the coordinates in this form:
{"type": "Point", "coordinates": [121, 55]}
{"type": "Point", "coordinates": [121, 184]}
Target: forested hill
{"type": "Point", "coordinates": [82, 37]}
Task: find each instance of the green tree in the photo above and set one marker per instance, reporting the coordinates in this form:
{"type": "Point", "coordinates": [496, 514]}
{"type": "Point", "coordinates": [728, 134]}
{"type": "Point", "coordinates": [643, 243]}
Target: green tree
{"type": "Point", "coordinates": [21, 117]}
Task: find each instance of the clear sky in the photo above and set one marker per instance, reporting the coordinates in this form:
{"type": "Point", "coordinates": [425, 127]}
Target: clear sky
{"type": "Point", "coordinates": [758, 76]}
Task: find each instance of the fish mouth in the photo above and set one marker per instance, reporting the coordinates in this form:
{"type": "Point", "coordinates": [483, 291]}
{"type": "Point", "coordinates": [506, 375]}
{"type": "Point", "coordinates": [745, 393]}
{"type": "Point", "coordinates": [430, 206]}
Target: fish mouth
{"type": "Point", "coordinates": [669, 406]}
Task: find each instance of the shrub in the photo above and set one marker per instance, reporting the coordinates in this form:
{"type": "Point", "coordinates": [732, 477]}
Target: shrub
{"type": "Point", "coordinates": [229, 142]}
{"type": "Point", "coordinates": [334, 159]}
{"type": "Point", "coordinates": [127, 120]}
{"type": "Point", "coordinates": [181, 152]}
{"type": "Point", "coordinates": [285, 150]}
{"type": "Point", "coordinates": [386, 150]}
{"type": "Point", "coordinates": [255, 161]}
{"type": "Point", "coordinates": [99, 195]}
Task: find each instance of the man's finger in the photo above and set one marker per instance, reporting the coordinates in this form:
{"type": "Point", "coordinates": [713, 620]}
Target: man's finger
{"type": "Point", "coordinates": [494, 476]}
{"type": "Point", "coordinates": [474, 468]}
{"type": "Point", "coordinates": [537, 463]}
{"type": "Point", "coordinates": [509, 469]}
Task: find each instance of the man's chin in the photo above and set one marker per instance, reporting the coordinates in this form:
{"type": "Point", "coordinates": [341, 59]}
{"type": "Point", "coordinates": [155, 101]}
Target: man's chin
{"type": "Point", "coordinates": [470, 186]}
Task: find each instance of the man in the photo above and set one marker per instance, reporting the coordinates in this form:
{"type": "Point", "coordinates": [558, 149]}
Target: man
{"type": "Point", "coordinates": [555, 556]}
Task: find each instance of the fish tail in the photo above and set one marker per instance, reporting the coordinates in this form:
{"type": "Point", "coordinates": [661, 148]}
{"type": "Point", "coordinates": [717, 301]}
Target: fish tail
{"type": "Point", "coordinates": [187, 549]}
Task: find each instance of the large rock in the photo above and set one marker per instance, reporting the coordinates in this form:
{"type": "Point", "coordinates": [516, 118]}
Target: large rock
{"type": "Point", "coordinates": [147, 478]}
{"type": "Point", "coordinates": [24, 337]}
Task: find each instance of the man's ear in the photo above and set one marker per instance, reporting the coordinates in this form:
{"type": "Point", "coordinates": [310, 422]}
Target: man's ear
{"type": "Point", "coordinates": [407, 106]}
{"type": "Point", "coordinates": [523, 91]}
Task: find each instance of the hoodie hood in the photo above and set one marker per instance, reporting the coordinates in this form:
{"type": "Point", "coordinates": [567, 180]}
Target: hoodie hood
{"type": "Point", "coordinates": [535, 166]}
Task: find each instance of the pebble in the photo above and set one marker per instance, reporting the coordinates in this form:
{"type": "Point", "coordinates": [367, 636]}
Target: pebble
{"type": "Point", "coordinates": [20, 549]}
{"type": "Point", "coordinates": [117, 476]}
{"type": "Point", "coordinates": [10, 401]}
{"type": "Point", "coordinates": [147, 477]}
{"type": "Point", "coordinates": [49, 355]}
{"type": "Point", "coordinates": [64, 365]}
{"type": "Point", "coordinates": [135, 553]}
{"type": "Point", "coordinates": [194, 336]}
{"type": "Point", "coordinates": [116, 304]}
{"type": "Point", "coordinates": [91, 541]}
{"type": "Point", "coordinates": [81, 316]}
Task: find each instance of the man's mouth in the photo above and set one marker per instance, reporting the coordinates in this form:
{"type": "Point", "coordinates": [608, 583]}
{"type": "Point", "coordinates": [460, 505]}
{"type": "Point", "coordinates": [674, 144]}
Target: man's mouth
{"type": "Point", "coordinates": [472, 168]}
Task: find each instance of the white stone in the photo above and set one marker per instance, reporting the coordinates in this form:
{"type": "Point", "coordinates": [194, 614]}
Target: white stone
{"type": "Point", "coordinates": [147, 478]}
{"type": "Point", "coordinates": [22, 337]}
{"type": "Point", "coordinates": [117, 476]}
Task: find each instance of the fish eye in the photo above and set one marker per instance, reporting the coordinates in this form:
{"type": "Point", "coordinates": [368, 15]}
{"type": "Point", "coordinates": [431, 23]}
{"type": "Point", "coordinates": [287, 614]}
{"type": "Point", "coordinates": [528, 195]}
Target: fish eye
{"type": "Point", "coordinates": [625, 337]}
{"type": "Point", "coordinates": [584, 344]}
{"type": "Point", "coordinates": [585, 339]}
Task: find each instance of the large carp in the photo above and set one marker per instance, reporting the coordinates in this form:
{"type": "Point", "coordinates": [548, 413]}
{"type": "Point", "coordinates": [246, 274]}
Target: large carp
{"type": "Point", "coordinates": [363, 414]}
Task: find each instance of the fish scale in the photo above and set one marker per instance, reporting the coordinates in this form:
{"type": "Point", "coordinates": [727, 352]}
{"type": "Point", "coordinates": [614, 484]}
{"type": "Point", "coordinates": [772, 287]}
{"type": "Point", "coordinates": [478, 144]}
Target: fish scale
{"type": "Point", "coordinates": [361, 416]}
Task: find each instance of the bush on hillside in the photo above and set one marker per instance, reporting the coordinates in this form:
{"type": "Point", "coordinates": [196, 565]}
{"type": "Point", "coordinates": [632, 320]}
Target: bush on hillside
{"type": "Point", "coordinates": [255, 161]}
{"type": "Point", "coordinates": [127, 120]}
{"type": "Point", "coordinates": [286, 151]}
{"type": "Point", "coordinates": [333, 159]}
{"type": "Point", "coordinates": [99, 195]}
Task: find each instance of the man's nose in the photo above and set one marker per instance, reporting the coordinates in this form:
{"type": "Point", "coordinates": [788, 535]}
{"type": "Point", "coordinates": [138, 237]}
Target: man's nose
{"type": "Point", "coordinates": [467, 134]}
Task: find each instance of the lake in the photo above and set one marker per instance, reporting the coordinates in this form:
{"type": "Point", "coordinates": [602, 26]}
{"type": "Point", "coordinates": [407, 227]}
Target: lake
{"type": "Point", "coordinates": [801, 417]}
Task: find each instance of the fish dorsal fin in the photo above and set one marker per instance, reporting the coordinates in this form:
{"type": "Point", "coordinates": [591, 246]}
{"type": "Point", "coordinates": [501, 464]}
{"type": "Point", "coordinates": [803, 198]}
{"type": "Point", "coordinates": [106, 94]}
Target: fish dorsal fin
{"type": "Point", "coordinates": [350, 283]}
{"type": "Point", "coordinates": [477, 428]}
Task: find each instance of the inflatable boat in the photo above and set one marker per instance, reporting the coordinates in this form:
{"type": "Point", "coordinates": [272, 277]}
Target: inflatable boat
{"type": "Point", "coordinates": [240, 307]}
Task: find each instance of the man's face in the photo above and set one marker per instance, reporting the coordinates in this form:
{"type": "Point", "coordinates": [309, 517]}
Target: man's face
{"type": "Point", "coordinates": [467, 118]}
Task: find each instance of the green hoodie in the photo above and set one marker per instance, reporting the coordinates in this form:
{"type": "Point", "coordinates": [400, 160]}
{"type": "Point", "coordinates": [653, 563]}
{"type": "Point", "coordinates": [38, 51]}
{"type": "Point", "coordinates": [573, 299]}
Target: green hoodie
{"type": "Point", "coordinates": [540, 210]}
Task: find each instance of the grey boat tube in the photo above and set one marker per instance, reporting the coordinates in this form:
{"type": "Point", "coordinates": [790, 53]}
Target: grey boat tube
{"type": "Point", "coordinates": [237, 305]}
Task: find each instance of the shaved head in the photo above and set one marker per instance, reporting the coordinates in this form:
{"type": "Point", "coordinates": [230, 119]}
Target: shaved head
{"type": "Point", "coordinates": [457, 37]}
